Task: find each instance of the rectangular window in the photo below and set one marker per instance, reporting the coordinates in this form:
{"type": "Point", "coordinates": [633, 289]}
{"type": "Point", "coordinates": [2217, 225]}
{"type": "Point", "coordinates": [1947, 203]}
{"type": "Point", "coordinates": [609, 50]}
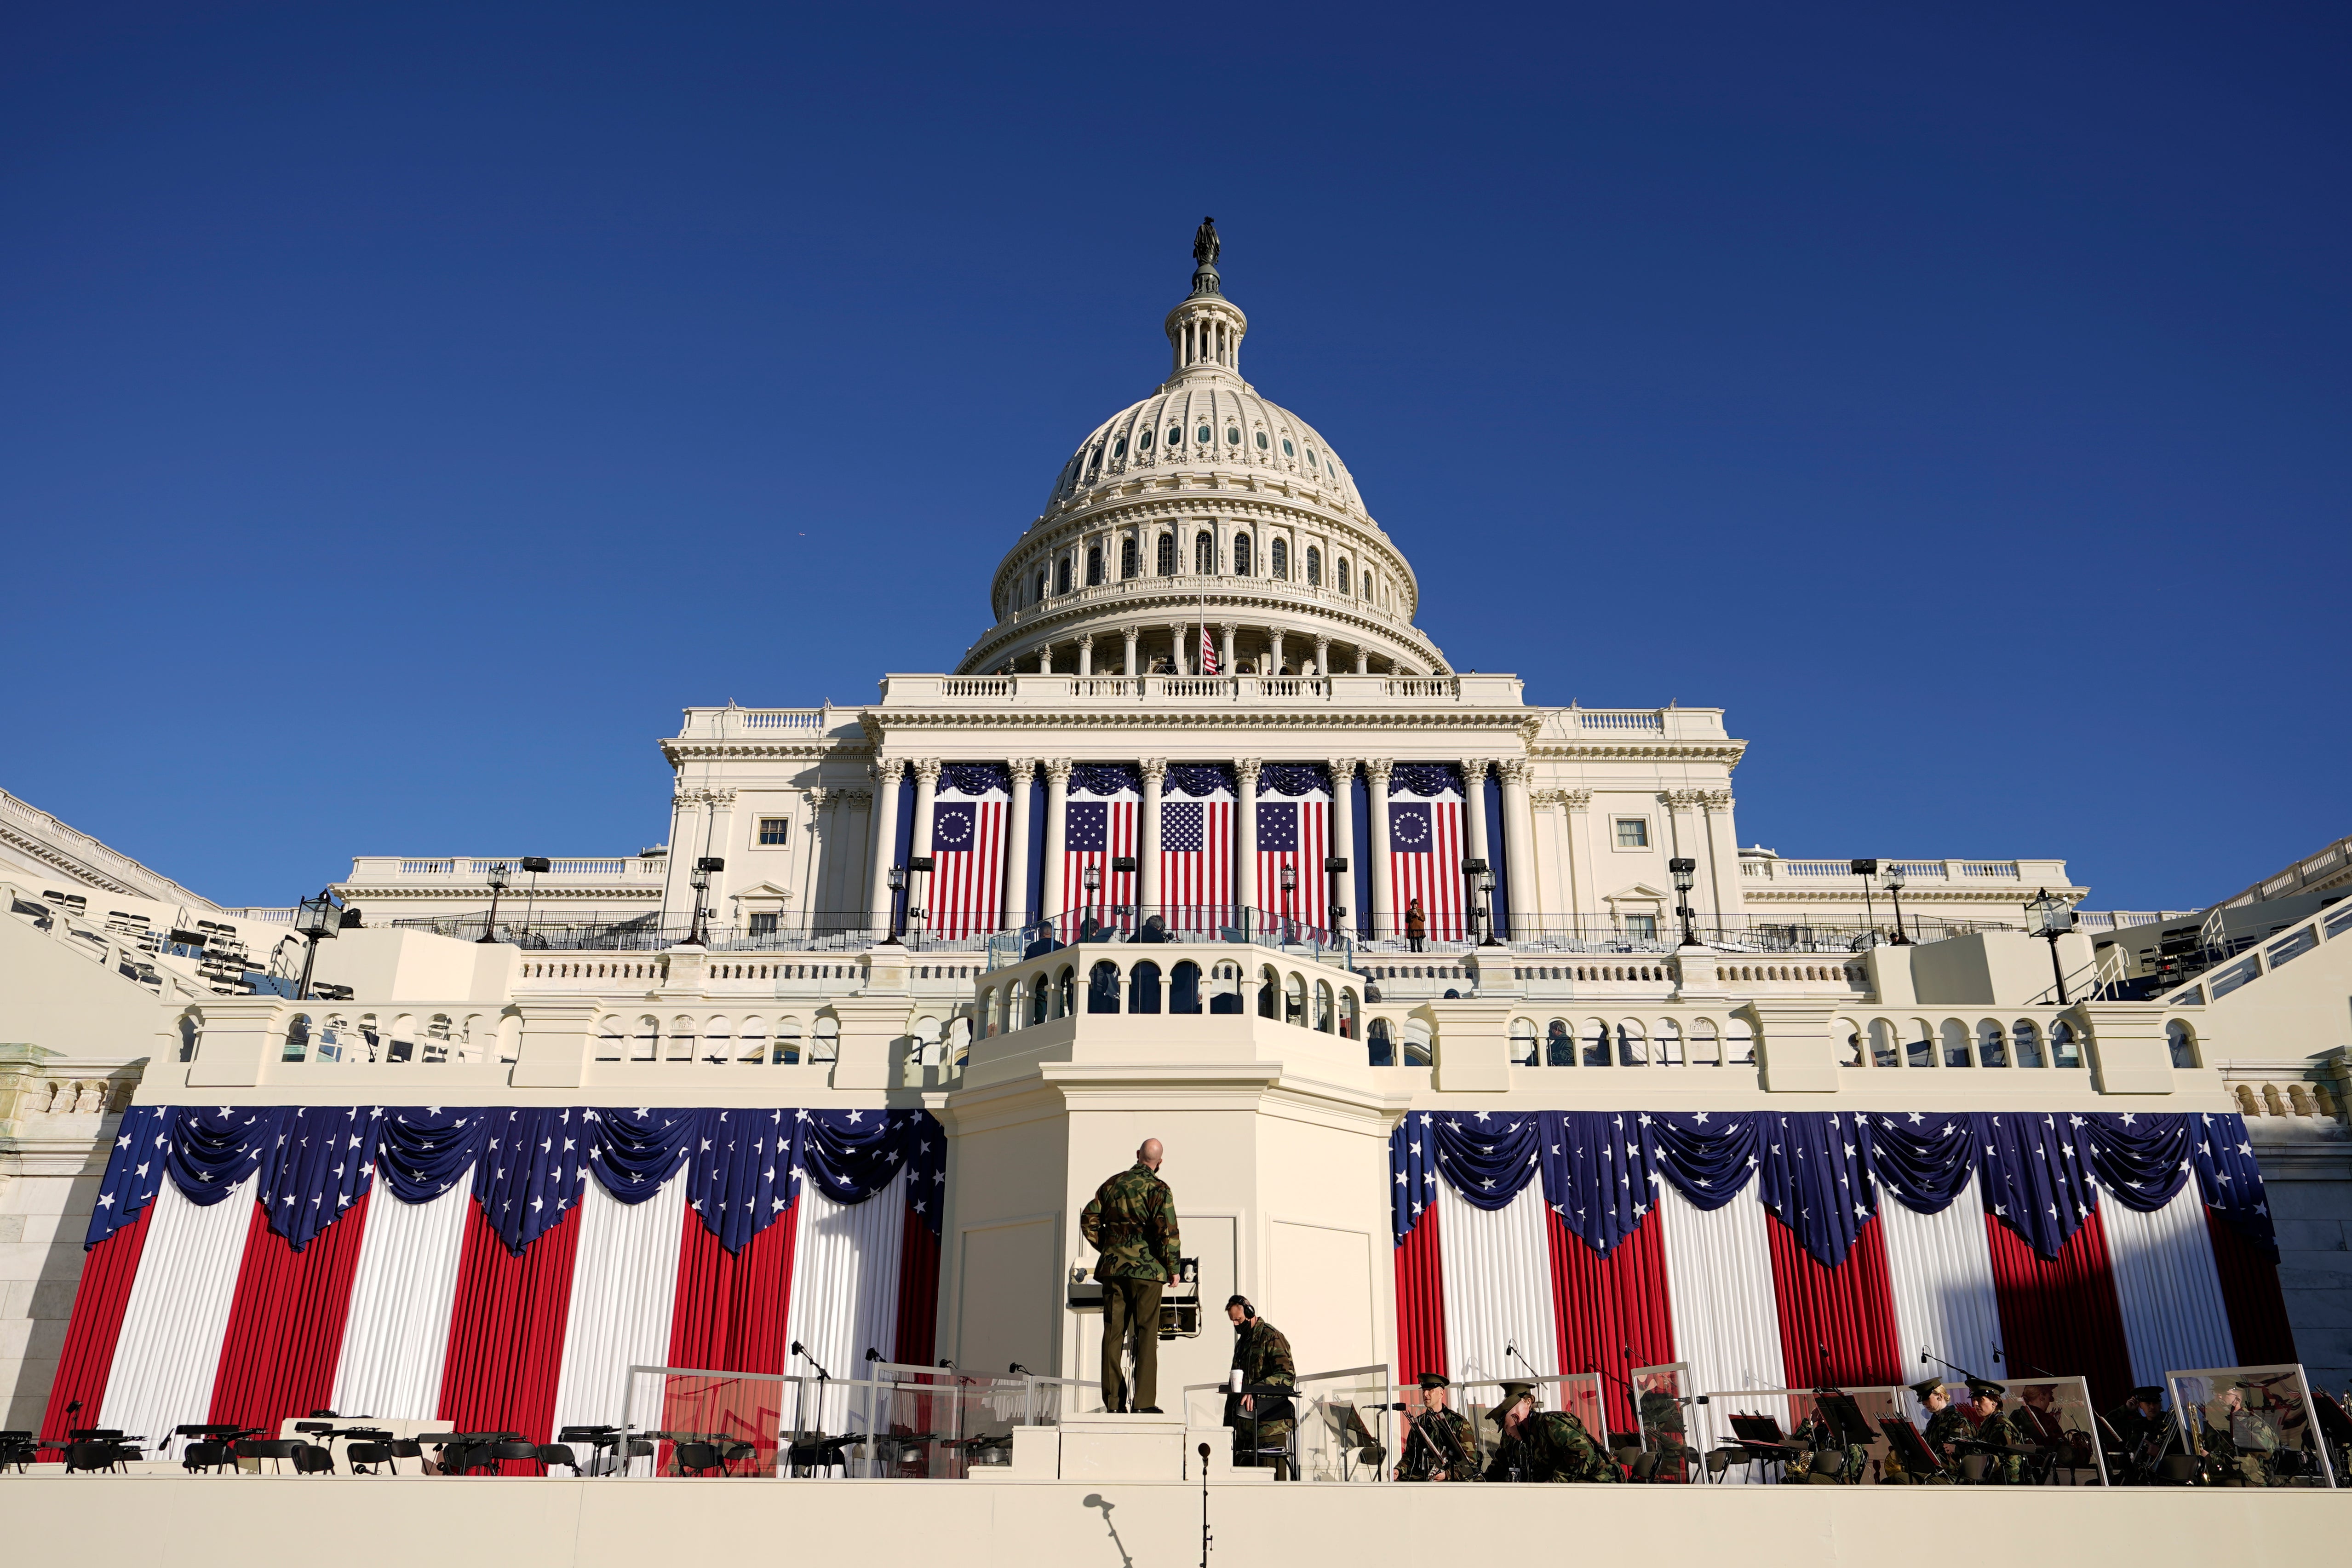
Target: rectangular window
{"type": "Point", "coordinates": [1642, 926]}
{"type": "Point", "coordinates": [1633, 833]}
{"type": "Point", "coordinates": [773, 829]}
{"type": "Point", "coordinates": [763, 925]}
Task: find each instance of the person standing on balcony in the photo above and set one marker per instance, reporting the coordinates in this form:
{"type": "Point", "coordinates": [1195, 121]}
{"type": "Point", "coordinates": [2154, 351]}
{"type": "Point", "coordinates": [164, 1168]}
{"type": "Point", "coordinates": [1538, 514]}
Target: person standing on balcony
{"type": "Point", "coordinates": [1132, 1223]}
{"type": "Point", "coordinates": [1416, 925]}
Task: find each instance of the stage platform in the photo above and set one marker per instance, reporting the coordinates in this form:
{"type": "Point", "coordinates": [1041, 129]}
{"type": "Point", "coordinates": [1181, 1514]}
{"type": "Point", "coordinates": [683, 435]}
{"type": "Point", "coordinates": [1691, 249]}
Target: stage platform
{"type": "Point", "coordinates": [233, 1521]}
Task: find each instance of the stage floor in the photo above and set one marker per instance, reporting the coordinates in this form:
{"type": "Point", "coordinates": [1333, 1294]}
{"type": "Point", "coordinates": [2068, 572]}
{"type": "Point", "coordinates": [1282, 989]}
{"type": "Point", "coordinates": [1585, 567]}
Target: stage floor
{"type": "Point", "coordinates": [233, 1521]}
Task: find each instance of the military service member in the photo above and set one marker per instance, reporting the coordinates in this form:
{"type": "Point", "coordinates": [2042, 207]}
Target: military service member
{"type": "Point", "coordinates": [2146, 1437]}
{"type": "Point", "coordinates": [1996, 1429]}
{"type": "Point", "coordinates": [1132, 1223]}
{"type": "Point", "coordinates": [1440, 1447]}
{"type": "Point", "coordinates": [2240, 1439]}
{"type": "Point", "coordinates": [1544, 1444]}
{"type": "Point", "coordinates": [1661, 1413]}
{"type": "Point", "coordinates": [1260, 1421]}
{"type": "Point", "coordinates": [1945, 1423]}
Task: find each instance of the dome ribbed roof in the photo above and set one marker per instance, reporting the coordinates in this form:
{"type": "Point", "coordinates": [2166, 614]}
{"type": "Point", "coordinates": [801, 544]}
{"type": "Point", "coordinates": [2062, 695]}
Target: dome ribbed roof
{"type": "Point", "coordinates": [1244, 435]}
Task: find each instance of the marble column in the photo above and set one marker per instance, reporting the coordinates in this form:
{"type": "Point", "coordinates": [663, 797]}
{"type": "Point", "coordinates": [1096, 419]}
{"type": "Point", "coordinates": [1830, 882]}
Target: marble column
{"type": "Point", "coordinates": [1132, 668]}
{"type": "Point", "coordinates": [1518, 844]}
{"type": "Point", "coordinates": [1016, 845]}
{"type": "Point", "coordinates": [1363, 659]}
{"type": "Point", "coordinates": [1376, 797]}
{"type": "Point", "coordinates": [1086, 654]}
{"type": "Point", "coordinates": [1057, 794]}
{"type": "Point", "coordinates": [927, 788]}
{"type": "Point", "coordinates": [1177, 663]}
{"type": "Point", "coordinates": [886, 842]}
{"type": "Point", "coordinates": [1046, 660]}
{"type": "Point", "coordinates": [1225, 631]}
{"type": "Point", "coordinates": [1245, 773]}
{"type": "Point", "coordinates": [1274, 651]}
{"type": "Point", "coordinates": [1343, 839]}
{"type": "Point", "coordinates": [1584, 904]}
{"type": "Point", "coordinates": [688, 811]}
{"type": "Point", "coordinates": [1322, 657]}
{"type": "Point", "coordinates": [1147, 852]}
{"type": "Point", "coordinates": [1474, 800]}
{"type": "Point", "coordinates": [1722, 857]}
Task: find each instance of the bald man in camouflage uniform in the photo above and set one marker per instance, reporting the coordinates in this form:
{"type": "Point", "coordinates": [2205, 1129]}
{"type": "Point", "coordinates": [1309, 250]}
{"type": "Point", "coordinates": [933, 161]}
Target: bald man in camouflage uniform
{"type": "Point", "coordinates": [1132, 1223]}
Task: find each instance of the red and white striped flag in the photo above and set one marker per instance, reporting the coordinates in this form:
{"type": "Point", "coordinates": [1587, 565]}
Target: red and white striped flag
{"type": "Point", "coordinates": [967, 888]}
{"type": "Point", "coordinates": [1208, 652]}
{"type": "Point", "coordinates": [1196, 857]}
{"type": "Point", "coordinates": [1425, 854]}
{"type": "Point", "coordinates": [1098, 832]}
{"type": "Point", "coordinates": [1294, 831]}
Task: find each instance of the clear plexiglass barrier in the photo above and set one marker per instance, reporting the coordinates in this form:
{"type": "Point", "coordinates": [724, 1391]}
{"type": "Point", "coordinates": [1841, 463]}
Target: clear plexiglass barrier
{"type": "Point", "coordinates": [1876, 1434]}
{"type": "Point", "coordinates": [2254, 1427]}
{"type": "Point", "coordinates": [911, 1422]}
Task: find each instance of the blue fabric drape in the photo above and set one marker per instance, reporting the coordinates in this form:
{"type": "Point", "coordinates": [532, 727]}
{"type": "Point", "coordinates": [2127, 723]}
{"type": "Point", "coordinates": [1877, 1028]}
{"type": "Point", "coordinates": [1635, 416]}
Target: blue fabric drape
{"type": "Point", "coordinates": [421, 1151]}
{"type": "Point", "coordinates": [1596, 1173]}
{"type": "Point", "coordinates": [1816, 1173]}
{"type": "Point", "coordinates": [529, 1174]}
{"type": "Point", "coordinates": [134, 1170]}
{"type": "Point", "coordinates": [2036, 1172]}
{"type": "Point", "coordinates": [927, 1170]}
{"type": "Point", "coordinates": [1487, 1155]}
{"type": "Point", "coordinates": [2140, 1156]}
{"type": "Point", "coordinates": [1922, 1161]}
{"type": "Point", "coordinates": [1413, 1172]}
{"type": "Point", "coordinates": [317, 1166]}
{"type": "Point", "coordinates": [211, 1152]}
{"type": "Point", "coordinates": [1707, 1156]}
{"type": "Point", "coordinates": [743, 1175]}
{"type": "Point", "coordinates": [634, 1152]}
{"type": "Point", "coordinates": [2229, 1181]}
{"type": "Point", "coordinates": [850, 1155]}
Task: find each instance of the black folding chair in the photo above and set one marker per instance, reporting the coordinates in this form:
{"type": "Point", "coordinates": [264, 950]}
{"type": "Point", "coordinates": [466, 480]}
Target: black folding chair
{"type": "Point", "coordinates": [526, 1453]}
{"type": "Point", "coordinates": [313, 1459]}
{"type": "Point", "coordinates": [363, 1455]}
{"type": "Point", "coordinates": [553, 1454]}
{"type": "Point", "coordinates": [277, 1450]}
{"type": "Point", "coordinates": [700, 1459]}
{"type": "Point", "coordinates": [17, 1448]}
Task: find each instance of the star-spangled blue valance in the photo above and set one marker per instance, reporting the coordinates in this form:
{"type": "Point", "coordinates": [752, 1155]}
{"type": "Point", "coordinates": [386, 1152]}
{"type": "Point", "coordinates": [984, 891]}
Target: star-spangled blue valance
{"type": "Point", "coordinates": [525, 1166]}
{"type": "Point", "coordinates": [976, 778]}
{"type": "Point", "coordinates": [1296, 780]}
{"type": "Point", "coordinates": [1426, 779]}
{"type": "Point", "coordinates": [1823, 1173]}
{"type": "Point", "coordinates": [1197, 779]}
{"type": "Point", "coordinates": [1105, 779]}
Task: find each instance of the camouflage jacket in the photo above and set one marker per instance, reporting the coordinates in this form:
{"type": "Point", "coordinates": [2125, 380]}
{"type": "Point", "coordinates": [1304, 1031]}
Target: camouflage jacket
{"type": "Point", "coordinates": [1946, 1425]}
{"type": "Point", "coordinates": [2008, 1469]}
{"type": "Point", "coordinates": [1662, 1413]}
{"type": "Point", "coordinates": [1264, 1356]}
{"type": "Point", "coordinates": [1441, 1440]}
{"type": "Point", "coordinates": [1552, 1445]}
{"type": "Point", "coordinates": [1132, 1223]}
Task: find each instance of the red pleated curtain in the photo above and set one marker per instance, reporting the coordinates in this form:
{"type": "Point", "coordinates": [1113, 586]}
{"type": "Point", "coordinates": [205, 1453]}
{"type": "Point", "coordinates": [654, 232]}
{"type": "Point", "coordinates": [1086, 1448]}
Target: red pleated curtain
{"type": "Point", "coordinates": [1609, 1307]}
{"type": "Point", "coordinates": [1848, 1309]}
{"type": "Point", "coordinates": [505, 1335]}
{"type": "Point", "coordinates": [1421, 1301]}
{"type": "Point", "coordinates": [919, 1292]}
{"type": "Point", "coordinates": [285, 1324]}
{"type": "Point", "coordinates": [2060, 1314]}
{"type": "Point", "coordinates": [107, 1270]}
{"type": "Point", "coordinates": [729, 1315]}
{"type": "Point", "coordinates": [2250, 1289]}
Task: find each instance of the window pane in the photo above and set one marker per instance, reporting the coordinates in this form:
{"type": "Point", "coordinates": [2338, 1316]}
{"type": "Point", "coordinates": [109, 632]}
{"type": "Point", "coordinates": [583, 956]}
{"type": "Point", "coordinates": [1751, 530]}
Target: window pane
{"type": "Point", "coordinates": [774, 830]}
{"type": "Point", "coordinates": [1633, 833]}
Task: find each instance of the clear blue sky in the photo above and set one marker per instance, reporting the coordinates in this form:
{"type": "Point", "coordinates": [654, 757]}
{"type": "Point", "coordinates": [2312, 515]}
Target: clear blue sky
{"type": "Point", "coordinates": [405, 410]}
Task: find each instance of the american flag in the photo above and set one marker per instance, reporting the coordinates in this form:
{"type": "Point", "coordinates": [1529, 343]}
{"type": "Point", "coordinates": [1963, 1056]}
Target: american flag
{"type": "Point", "coordinates": [1196, 860]}
{"type": "Point", "coordinates": [1098, 832]}
{"type": "Point", "coordinates": [967, 889]}
{"type": "Point", "coordinates": [1426, 861]}
{"type": "Point", "coordinates": [1294, 833]}
{"type": "Point", "coordinates": [1208, 651]}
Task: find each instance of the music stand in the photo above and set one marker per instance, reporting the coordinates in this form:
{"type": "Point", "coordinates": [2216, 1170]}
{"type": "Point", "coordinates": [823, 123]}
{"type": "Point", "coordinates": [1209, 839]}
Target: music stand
{"type": "Point", "coordinates": [1761, 1436]}
{"type": "Point", "coordinates": [1903, 1442]}
{"type": "Point", "coordinates": [1848, 1427]}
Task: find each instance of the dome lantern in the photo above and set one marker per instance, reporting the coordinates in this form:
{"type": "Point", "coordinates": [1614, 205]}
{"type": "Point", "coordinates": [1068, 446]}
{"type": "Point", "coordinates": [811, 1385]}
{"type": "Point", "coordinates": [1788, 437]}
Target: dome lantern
{"type": "Point", "coordinates": [1205, 332]}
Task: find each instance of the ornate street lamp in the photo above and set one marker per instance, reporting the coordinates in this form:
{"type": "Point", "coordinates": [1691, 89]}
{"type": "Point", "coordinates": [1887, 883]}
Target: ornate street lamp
{"type": "Point", "coordinates": [1289, 880]}
{"type": "Point", "coordinates": [917, 864]}
{"type": "Point", "coordinates": [898, 879]}
{"type": "Point", "coordinates": [1093, 880]}
{"type": "Point", "coordinates": [2053, 917]}
{"type": "Point", "coordinates": [700, 881]}
{"type": "Point", "coordinates": [1336, 867]}
{"type": "Point", "coordinates": [534, 864]}
{"type": "Point", "coordinates": [1893, 885]}
{"type": "Point", "coordinates": [1685, 874]}
{"type": "Point", "coordinates": [1475, 874]}
{"type": "Point", "coordinates": [1866, 869]}
{"type": "Point", "coordinates": [318, 920]}
{"type": "Point", "coordinates": [498, 885]}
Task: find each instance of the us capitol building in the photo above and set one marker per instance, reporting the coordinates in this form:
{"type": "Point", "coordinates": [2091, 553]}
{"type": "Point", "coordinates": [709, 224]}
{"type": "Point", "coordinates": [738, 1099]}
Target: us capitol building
{"type": "Point", "coordinates": [1478, 1043]}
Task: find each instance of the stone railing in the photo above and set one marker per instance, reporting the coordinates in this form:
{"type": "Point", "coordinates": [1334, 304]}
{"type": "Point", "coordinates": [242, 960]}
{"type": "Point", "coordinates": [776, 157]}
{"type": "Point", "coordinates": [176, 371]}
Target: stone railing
{"type": "Point", "coordinates": [40, 1085]}
{"type": "Point", "coordinates": [132, 878]}
{"type": "Point", "coordinates": [1194, 690]}
{"type": "Point", "coordinates": [383, 870]}
{"type": "Point", "coordinates": [2294, 1100]}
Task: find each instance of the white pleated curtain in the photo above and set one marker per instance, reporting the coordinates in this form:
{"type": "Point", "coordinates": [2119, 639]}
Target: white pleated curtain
{"type": "Point", "coordinates": [167, 1356]}
{"type": "Point", "coordinates": [1497, 1275]}
{"type": "Point", "coordinates": [845, 1262]}
{"type": "Point", "coordinates": [2167, 1285]}
{"type": "Point", "coordinates": [1940, 1271]}
{"type": "Point", "coordinates": [1719, 1288]}
{"type": "Point", "coordinates": [624, 1286]}
{"type": "Point", "coordinates": [404, 1291]}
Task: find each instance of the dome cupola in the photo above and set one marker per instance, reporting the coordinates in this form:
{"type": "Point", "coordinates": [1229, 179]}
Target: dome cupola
{"type": "Point", "coordinates": [1205, 503]}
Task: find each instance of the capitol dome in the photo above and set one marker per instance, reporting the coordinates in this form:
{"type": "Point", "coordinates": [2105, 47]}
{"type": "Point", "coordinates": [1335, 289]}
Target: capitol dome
{"type": "Point", "coordinates": [1204, 501]}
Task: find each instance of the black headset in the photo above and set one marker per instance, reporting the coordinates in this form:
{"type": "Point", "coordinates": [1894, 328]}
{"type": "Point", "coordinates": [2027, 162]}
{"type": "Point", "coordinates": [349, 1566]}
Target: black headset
{"type": "Point", "coordinates": [1248, 1311]}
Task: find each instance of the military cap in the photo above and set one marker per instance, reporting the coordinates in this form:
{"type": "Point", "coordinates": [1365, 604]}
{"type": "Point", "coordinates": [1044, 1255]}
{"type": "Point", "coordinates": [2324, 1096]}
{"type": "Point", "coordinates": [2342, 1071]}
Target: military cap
{"type": "Point", "coordinates": [1986, 1389]}
{"type": "Point", "coordinates": [1434, 1380]}
{"type": "Point", "coordinates": [1512, 1393]}
{"type": "Point", "coordinates": [2148, 1396]}
{"type": "Point", "coordinates": [1927, 1387]}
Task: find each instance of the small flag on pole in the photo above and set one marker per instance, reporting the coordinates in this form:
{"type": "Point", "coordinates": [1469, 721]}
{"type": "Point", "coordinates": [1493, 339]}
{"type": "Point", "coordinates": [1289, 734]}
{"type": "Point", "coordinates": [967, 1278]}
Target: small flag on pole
{"type": "Point", "coordinates": [1208, 649]}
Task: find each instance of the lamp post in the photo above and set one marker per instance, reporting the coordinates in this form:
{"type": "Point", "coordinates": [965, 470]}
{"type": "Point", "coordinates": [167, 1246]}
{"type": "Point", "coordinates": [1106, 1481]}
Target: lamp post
{"type": "Point", "coordinates": [1123, 865]}
{"type": "Point", "coordinates": [318, 920]}
{"type": "Point", "coordinates": [917, 864]}
{"type": "Point", "coordinates": [1093, 880]}
{"type": "Point", "coordinates": [1336, 867]}
{"type": "Point", "coordinates": [498, 885]}
{"type": "Point", "coordinates": [1893, 884]}
{"type": "Point", "coordinates": [898, 879]}
{"type": "Point", "coordinates": [1289, 904]}
{"type": "Point", "coordinates": [1866, 869]}
{"type": "Point", "coordinates": [2052, 920]}
{"type": "Point", "coordinates": [700, 881]}
{"type": "Point", "coordinates": [1487, 908]}
{"type": "Point", "coordinates": [1473, 870]}
{"type": "Point", "coordinates": [534, 864]}
{"type": "Point", "coordinates": [1685, 874]}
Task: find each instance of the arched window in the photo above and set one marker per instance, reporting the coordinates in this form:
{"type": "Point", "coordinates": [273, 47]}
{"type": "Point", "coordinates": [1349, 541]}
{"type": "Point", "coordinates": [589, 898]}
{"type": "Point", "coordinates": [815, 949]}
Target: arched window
{"type": "Point", "coordinates": [1377, 1045]}
{"type": "Point", "coordinates": [1065, 993]}
{"type": "Point", "coordinates": [1184, 988]}
{"type": "Point", "coordinates": [1314, 567]}
{"type": "Point", "coordinates": [1126, 567]}
{"type": "Point", "coordinates": [1167, 567]}
{"type": "Point", "coordinates": [2025, 1040]}
{"type": "Point", "coordinates": [1956, 1040]}
{"type": "Point", "coordinates": [989, 1022]}
{"type": "Point", "coordinates": [1339, 573]}
{"type": "Point", "coordinates": [1226, 989]}
{"type": "Point", "coordinates": [1039, 596]}
{"type": "Point", "coordinates": [787, 1047]}
{"type": "Point", "coordinates": [1669, 1039]}
{"type": "Point", "coordinates": [1706, 1046]}
{"type": "Point", "coordinates": [1278, 559]}
{"type": "Point", "coordinates": [1740, 1043]}
{"type": "Point", "coordinates": [1325, 1020]}
{"type": "Point", "coordinates": [1523, 1042]}
{"type": "Point", "coordinates": [1241, 555]}
{"type": "Point", "coordinates": [1062, 575]}
{"type": "Point", "coordinates": [1365, 582]}
{"type": "Point", "coordinates": [1102, 988]}
{"type": "Point", "coordinates": [1204, 552]}
{"type": "Point", "coordinates": [1269, 993]}
{"type": "Point", "coordinates": [1596, 1043]}
{"type": "Point", "coordinates": [1094, 566]}
{"type": "Point", "coordinates": [1294, 1001]}
{"type": "Point", "coordinates": [1632, 1046]}
{"type": "Point", "coordinates": [681, 1040]}
{"type": "Point", "coordinates": [1882, 1044]}
{"type": "Point", "coordinates": [1143, 988]}
{"type": "Point", "coordinates": [2178, 1038]}
{"type": "Point", "coordinates": [298, 1037]}
{"type": "Point", "coordinates": [2066, 1049]}
{"type": "Point", "coordinates": [1560, 1045]}
{"type": "Point", "coordinates": [718, 1041]}
{"type": "Point", "coordinates": [1351, 1023]}
{"type": "Point", "coordinates": [826, 1046]}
